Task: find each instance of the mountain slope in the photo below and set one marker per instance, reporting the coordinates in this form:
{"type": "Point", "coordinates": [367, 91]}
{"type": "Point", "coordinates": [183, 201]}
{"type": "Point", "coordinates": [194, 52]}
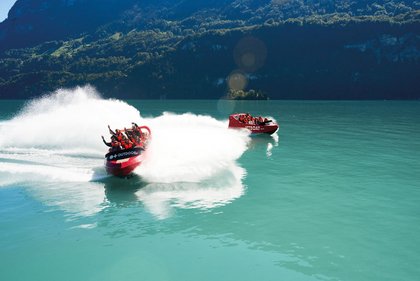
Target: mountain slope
{"type": "Point", "coordinates": [199, 49]}
{"type": "Point", "coordinates": [36, 21]}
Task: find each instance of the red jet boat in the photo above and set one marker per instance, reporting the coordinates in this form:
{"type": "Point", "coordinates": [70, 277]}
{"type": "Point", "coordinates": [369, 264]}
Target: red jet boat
{"type": "Point", "coordinates": [123, 161]}
{"type": "Point", "coordinates": [257, 125]}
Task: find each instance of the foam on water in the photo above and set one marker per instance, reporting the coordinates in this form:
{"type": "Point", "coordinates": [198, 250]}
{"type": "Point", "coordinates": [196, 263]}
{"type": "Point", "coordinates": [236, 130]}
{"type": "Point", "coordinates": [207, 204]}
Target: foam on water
{"type": "Point", "coordinates": [190, 148]}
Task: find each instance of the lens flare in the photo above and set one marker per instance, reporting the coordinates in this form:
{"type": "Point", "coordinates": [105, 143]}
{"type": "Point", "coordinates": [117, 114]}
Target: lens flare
{"type": "Point", "coordinates": [250, 54]}
{"type": "Point", "coordinates": [237, 81]}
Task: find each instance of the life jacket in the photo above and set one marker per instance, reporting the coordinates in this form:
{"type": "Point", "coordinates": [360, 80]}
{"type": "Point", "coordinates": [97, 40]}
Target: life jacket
{"type": "Point", "coordinates": [119, 137]}
{"type": "Point", "coordinates": [127, 145]}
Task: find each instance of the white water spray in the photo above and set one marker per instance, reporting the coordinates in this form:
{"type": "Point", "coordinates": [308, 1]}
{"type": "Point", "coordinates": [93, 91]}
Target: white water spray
{"type": "Point", "coordinates": [57, 138]}
{"type": "Point", "coordinates": [68, 119]}
{"type": "Point", "coordinates": [64, 129]}
{"type": "Point", "coordinates": [190, 148]}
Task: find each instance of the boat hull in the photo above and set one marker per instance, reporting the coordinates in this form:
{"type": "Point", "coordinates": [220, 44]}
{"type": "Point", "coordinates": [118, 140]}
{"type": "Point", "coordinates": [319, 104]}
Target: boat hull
{"type": "Point", "coordinates": [123, 163]}
{"type": "Point", "coordinates": [262, 129]}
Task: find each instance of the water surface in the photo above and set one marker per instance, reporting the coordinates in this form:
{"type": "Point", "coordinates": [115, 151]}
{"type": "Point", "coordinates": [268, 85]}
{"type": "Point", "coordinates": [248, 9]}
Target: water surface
{"type": "Point", "coordinates": [334, 196]}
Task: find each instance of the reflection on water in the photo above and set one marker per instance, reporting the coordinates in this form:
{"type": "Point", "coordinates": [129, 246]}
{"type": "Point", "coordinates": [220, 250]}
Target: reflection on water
{"type": "Point", "coordinates": [87, 199]}
{"type": "Point", "coordinates": [221, 189]}
{"type": "Point", "coordinates": [121, 191]}
{"type": "Point", "coordinates": [266, 141]}
{"type": "Point", "coordinates": [161, 198]}
{"type": "Point", "coordinates": [76, 199]}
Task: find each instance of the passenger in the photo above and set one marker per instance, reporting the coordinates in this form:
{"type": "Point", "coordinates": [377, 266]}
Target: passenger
{"type": "Point", "coordinates": [111, 131]}
{"type": "Point", "coordinates": [118, 134]}
{"type": "Point", "coordinates": [267, 120]}
{"type": "Point", "coordinates": [106, 143]}
{"type": "Point", "coordinates": [135, 127]}
{"type": "Point", "coordinates": [113, 145]}
{"type": "Point", "coordinates": [132, 137]}
{"type": "Point", "coordinates": [126, 144]}
{"type": "Point", "coordinates": [128, 134]}
{"type": "Point", "coordinates": [127, 138]}
{"type": "Point", "coordinates": [140, 136]}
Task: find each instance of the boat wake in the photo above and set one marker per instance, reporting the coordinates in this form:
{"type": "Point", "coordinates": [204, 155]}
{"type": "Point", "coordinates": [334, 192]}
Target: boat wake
{"type": "Point", "coordinates": [56, 139]}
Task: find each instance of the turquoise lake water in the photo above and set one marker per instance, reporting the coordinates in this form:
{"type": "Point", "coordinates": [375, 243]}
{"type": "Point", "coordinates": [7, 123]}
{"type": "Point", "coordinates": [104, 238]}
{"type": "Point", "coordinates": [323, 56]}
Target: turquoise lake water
{"type": "Point", "coordinates": [335, 195]}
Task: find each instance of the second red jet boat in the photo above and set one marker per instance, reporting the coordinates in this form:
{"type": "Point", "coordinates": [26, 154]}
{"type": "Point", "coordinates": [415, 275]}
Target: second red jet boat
{"type": "Point", "coordinates": [257, 125]}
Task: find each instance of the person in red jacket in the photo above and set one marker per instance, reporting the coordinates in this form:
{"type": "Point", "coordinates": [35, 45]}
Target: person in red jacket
{"type": "Point", "coordinates": [114, 145]}
{"type": "Point", "coordinates": [126, 144]}
{"type": "Point", "coordinates": [118, 134]}
{"type": "Point", "coordinates": [132, 135]}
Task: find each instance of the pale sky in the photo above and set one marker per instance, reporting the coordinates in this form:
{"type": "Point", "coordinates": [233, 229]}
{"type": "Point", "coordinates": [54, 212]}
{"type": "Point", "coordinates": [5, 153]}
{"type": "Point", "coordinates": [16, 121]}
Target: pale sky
{"type": "Point", "coordinates": [5, 6]}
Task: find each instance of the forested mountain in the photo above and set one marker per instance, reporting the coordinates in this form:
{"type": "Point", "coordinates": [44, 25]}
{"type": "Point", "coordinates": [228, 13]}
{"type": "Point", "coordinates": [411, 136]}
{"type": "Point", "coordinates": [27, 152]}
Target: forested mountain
{"type": "Point", "coordinates": [342, 49]}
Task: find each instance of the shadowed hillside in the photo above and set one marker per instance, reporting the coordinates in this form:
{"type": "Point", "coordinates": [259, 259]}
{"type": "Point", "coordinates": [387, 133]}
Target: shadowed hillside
{"type": "Point", "coordinates": [201, 49]}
